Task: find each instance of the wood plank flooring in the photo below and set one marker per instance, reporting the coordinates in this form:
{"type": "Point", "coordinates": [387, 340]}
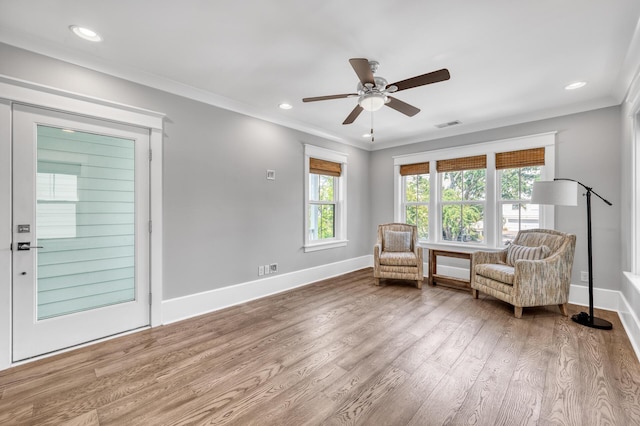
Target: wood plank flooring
{"type": "Point", "coordinates": [340, 352]}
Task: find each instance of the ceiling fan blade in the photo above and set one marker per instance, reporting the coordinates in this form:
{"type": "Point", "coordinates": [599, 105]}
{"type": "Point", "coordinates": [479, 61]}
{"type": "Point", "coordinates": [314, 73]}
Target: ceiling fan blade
{"type": "Point", "coordinates": [402, 107]}
{"type": "Point", "coordinates": [363, 70]}
{"type": "Point", "coordinates": [421, 80]}
{"type": "Point", "coordinates": [326, 98]}
{"type": "Point", "coordinates": [354, 114]}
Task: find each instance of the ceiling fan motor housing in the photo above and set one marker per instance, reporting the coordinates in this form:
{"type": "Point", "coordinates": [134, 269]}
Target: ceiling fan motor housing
{"type": "Point", "coordinates": [373, 97]}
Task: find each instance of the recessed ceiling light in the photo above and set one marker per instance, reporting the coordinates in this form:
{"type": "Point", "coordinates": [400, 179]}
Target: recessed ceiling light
{"type": "Point", "coordinates": [366, 135]}
{"type": "Point", "coordinates": [85, 33]}
{"type": "Point", "coordinates": [575, 85]}
{"type": "Point", "coordinates": [285, 106]}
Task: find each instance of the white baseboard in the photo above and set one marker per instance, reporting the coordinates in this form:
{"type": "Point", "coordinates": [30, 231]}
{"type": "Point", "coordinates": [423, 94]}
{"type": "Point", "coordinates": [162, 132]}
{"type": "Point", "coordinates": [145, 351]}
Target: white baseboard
{"type": "Point", "coordinates": [630, 309]}
{"type": "Point", "coordinates": [602, 298]}
{"type": "Point", "coordinates": [193, 305]}
{"type": "Point", "coordinates": [631, 324]}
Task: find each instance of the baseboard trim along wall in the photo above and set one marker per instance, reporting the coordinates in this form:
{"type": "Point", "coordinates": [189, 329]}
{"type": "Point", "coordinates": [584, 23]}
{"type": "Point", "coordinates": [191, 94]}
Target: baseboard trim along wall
{"type": "Point", "coordinates": [193, 305]}
{"type": "Point", "coordinates": [630, 308]}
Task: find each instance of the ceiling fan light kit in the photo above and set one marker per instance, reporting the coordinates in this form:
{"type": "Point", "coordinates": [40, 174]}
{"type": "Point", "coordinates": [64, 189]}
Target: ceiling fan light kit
{"type": "Point", "coordinates": [373, 92]}
{"type": "Point", "coordinates": [372, 101]}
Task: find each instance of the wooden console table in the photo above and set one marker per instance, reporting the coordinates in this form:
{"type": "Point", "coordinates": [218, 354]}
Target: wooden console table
{"type": "Point", "coordinates": [444, 279]}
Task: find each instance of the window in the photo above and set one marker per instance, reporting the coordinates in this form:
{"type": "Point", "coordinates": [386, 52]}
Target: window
{"type": "Point", "coordinates": [517, 170]}
{"type": "Point", "coordinates": [57, 199]}
{"type": "Point", "coordinates": [322, 206]}
{"type": "Point", "coordinates": [415, 201]}
{"type": "Point", "coordinates": [476, 194]}
{"type": "Point", "coordinates": [325, 199]}
{"type": "Point", "coordinates": [463, 183]}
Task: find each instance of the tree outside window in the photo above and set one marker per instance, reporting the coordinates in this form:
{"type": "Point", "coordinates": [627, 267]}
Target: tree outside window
{"type": "Point", "coordinates": [462, 200]}
{"type": "Point", "coordinates": [322, 207]}
{"type": "Point", "coordinates": [416, 203]}
{"type": "Point", "coordinates": [516, 213]}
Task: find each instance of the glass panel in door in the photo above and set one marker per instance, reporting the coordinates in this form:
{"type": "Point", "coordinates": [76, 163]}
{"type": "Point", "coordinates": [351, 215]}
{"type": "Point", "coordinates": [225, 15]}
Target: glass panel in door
{"type": "Point", "coordinates": [85, 221]}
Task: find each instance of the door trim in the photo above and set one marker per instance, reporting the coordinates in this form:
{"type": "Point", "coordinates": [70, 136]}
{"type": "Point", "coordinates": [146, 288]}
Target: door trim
{"type": "Point", "coordinates": [37, 95]}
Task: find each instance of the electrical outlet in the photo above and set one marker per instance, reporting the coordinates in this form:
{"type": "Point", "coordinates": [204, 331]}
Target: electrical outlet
{"type": "Point", "coordinates": [266, 269]}
{"type": "Point", "coordinates": [584, 276]}
{"type": "Point", "coordinates": [273, 268]}
{"type": "Point", "coordinates": [260, 270]}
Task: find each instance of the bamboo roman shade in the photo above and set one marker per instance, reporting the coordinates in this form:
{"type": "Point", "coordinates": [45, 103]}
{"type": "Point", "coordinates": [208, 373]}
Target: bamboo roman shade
{"type": "Point", "coordinates": [464, 163]}
{"type": "Point", "coordinates": [523, 158]}
{"type": "Point", "coordinates": [414, 169]}
{"type": "Point", "coordinates": [324, 167]}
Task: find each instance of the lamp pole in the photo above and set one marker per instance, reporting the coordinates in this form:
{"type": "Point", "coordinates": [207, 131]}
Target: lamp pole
{"type": "Point", "coordinates": [583, 318]}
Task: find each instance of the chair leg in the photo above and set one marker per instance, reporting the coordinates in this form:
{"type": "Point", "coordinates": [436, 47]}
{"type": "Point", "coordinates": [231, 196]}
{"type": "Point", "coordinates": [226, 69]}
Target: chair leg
{"type": "Point", "coordinates": [474, 293]}
{"type": "Point", "coordinates": [517, 310]}
{"type": "Point", "coordinates": [419, 283]}
{"type": "Point", "coordinates": [377, 281]}
{"type": "Point", "coordinates": [563, 309]}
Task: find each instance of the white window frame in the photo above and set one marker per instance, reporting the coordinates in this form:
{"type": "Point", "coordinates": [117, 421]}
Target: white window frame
{"type": "Point", "coordinates": [631, 111]}
{"type": "Point", "coordinates": [405, 203]}
{"type": "Point", "coordinates": [635, 190]}
{"type": "Point", "coordinates": [492, 217]}
{"type": "Point", "coordinates": [441, 203]}
{"type": "Point", "coordinates": [500, 203]}
{"type": "Point", "coordinates": [340, 199]}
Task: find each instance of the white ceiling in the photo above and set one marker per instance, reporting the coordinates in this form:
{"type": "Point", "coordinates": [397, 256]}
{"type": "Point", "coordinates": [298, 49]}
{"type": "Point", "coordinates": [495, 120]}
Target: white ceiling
{"type": "Point", "coordinates": [509, 60]}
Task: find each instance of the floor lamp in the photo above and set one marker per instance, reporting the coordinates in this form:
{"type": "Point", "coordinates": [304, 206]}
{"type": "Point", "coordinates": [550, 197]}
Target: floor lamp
{"type": "Point", "coordinates": [563, 192]}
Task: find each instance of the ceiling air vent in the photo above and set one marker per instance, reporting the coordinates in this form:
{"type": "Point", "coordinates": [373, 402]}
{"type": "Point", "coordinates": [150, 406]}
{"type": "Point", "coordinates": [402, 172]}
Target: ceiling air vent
{"type": "Point", "coordinates": [449, 124]}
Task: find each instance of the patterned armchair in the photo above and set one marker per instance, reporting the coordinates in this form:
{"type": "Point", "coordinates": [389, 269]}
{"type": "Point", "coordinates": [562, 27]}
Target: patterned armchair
{"type": "Point", "coordinates": [396, 254]}
{"type": "Point", "coordinates": [535, 270]}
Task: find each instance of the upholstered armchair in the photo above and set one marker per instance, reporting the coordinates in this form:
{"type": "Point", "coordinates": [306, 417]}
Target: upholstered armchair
{"type": "Point", "coordinates": [396, 254]}
{"type": "Point", "coordinates": [534, 270]}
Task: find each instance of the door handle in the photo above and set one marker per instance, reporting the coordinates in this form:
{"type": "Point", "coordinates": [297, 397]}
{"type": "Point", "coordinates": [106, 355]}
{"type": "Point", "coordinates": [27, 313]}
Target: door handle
{"type": "Point", "coordinates": [26, 246]}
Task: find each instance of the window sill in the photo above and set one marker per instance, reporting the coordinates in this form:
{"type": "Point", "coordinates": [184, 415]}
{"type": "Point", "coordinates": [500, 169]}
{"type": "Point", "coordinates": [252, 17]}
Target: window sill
{"type": "Point", "coordinates": [325, 245]}
{"type": "Point", "coordinates": [633, 279]}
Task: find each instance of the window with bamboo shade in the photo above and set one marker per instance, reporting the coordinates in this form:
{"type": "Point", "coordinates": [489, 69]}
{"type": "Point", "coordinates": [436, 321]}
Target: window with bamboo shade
{"type": "Point", "coordinates": [517, 171]}
{"type": "Point", "coordinates": [463, 179]}
{"type": "Point", "coordinates": [415, 181]}
{"type": "Point", "coordinates": [462, 198]}
{"type": "Point", "coordinates": [325, 199]}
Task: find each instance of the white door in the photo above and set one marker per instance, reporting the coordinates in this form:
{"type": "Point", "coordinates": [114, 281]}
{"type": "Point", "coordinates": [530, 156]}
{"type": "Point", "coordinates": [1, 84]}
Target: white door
{"type": "Point", "coordinates": [80, 230]}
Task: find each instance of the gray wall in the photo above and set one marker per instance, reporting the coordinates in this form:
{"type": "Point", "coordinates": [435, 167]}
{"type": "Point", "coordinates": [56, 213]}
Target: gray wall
{"type": "Point", "coordinates": [588, 149]}
{"type": "Point", "coordinates": [222, 218]}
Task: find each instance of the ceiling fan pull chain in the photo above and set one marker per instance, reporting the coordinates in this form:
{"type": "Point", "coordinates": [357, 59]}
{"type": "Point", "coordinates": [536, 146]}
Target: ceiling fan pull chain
{"type": "Point", "coordinates": [372, 138]}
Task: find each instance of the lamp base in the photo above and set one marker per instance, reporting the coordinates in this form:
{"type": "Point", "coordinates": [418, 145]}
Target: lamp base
{"type": "Point", "coordinates": [583, 318]}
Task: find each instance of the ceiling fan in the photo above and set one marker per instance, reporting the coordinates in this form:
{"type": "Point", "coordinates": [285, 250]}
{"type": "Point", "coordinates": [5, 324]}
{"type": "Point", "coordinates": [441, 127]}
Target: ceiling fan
{"type": "Point", "coordinates": [373, 92]}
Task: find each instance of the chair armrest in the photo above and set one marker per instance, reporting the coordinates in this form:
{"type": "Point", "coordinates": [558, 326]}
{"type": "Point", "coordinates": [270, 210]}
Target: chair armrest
{"type": "Point", "coordinates": [542, 282]}
{"type": "Point", "coordinates": [419, 252]}
{"type": "Point", "coordinates": [377, 249]}
{"type": "Point", "coordinates": [489, 257]}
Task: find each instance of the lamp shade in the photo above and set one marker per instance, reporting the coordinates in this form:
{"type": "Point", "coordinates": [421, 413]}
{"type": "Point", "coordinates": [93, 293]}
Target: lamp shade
{"type": "Point", "coordinates": [557, 192]}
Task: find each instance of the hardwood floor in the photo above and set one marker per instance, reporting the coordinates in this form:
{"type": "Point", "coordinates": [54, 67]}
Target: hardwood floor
{"type": "Point", "coordinates": [342, 351]}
